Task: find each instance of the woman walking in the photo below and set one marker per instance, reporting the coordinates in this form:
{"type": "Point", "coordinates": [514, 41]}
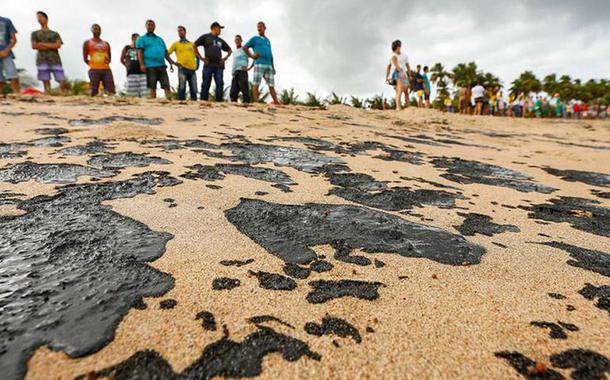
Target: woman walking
{"type": "Point", "coordinates": [398, 74]}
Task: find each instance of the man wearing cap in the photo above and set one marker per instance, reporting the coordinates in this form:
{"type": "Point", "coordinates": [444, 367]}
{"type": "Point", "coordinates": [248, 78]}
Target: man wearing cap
{"type": "Point", "coordinates": [214, 62]}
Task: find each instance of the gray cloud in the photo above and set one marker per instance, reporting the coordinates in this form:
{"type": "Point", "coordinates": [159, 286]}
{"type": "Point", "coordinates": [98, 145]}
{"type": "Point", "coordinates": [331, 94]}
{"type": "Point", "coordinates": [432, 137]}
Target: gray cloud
{"type": "Point", "coordinates": [343, 45]}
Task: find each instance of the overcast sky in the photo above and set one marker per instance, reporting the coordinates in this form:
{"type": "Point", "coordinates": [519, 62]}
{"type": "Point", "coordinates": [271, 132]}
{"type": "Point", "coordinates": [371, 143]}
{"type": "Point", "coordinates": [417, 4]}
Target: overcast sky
{"type": "Point", "coordinates": [344, 45]}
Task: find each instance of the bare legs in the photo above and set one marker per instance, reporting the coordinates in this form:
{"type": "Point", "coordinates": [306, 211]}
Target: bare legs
{"type": "Point", "coordinates": [401, 89]}
{"type": "Point", "coordinates": [272, 92]}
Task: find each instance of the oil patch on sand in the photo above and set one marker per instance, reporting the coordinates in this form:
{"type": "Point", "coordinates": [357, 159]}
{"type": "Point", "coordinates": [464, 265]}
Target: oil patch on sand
{"type": "Point", "coordinates": [75, 268]}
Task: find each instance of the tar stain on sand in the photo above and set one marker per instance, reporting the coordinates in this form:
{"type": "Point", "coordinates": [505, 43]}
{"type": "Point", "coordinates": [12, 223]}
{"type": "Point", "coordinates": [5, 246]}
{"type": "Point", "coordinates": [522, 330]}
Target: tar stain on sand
{"type": "Point", "coordinates": [75, 268]}
{"type": "Point", "coordinates": [125, 160]}
{"type": "Point", "coordinates": [556, 330]}
{"type": "Point", "coordinates": [225, 357]}
{"type": "Point", "coordinates": [111, 119]}
{"type": "Point", "coordinates": [49, 173]}
{"type": "Point", "coordinates": [92, 147]}
{"type": "Point", "coordinates": [590, 178]}
{"type": "Point", "coordinates": [468, 172]}
{"type": "Point", "coordinates": [218, 172]}
{"type": "Point", "coordinates": [289, 232]}
{"type": "Point", "coordinates": [208, 322]}
{"type": "Point", "coordinates": [300, 159]}
{"type": "Point", "coordinates": [583, 364]}
{"type": "Point", "coordinates": [365, 190]}
{"type": "Point", "coordinates": [599, 293]}
{"type": "Point", "coordinates": [482, 224]}
{"type": "Point", "coordinates": [324, 291]}
{"type": "Point", "coordinates": [274, 281]}
{"type": "Point", "coordinates": [594, 261]}
{"type": "Point", "coordinates": [583, 214]}
{"type": "Point", "coordinates": [333, 326]}
{"type": "Point", "coordinates": [225, 283]}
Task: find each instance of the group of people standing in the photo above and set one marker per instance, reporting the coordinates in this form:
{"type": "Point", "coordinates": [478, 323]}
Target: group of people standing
{"type": "Point", "coordinates": [493, 102]}
{"type": "Point", "coordinates": [400, 75]}
{"type": "Point", "coordinates": [145, 61]}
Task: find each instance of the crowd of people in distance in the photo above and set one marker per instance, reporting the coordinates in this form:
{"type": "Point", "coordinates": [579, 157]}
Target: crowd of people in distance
{"type": "Point", "coordinates": [146, 60]}
{"type": "Point", "coordinates": [476, 99]}
{"type": "Point", "coordinates": [480, 101]}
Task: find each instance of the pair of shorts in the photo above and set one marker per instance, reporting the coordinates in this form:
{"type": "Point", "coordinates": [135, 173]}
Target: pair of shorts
{"type": "Point", "coordinates": [420, 93]}
{"type": "Point", "coordinates": [101, 76]}
{"type": "Point", "coordinates": [45, 70]}
{"type": "Point", "coordinates": [137, 85]}
{"type": "Point", "coordinates": [263, 72]}
{"type": "Point", "coordinates": [479, 100]}
{"type": "Point", "coordinates": [8, 70]}
{"type": "Point", "coordinates": [396, 77]}
{"type": "Point", "coordinates": [157, 74]}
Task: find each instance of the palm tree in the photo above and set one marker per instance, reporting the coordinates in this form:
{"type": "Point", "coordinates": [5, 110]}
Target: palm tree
{"type": "Point", "coordinates": [357, 102]}
{"type": "Point", "coordinates": [566, 87]}
{"type": "Point", "coordinates": [526, 84]}
{"type": "Point", "coordinates": [288, 97]}
{"type": "Point", "coordinates": [334, 99]}
{"type": "Point", "coordinates": [550, 85]}
{"type": "Point", "coordinates": [376, 102]}
{"type": "Point", "coordinates": [489, 81]}
{"type": "Point", "coordinates": [312, 100]}
{"type": "Point", "coordinates": [77, 87]}
{"type": "Point", "coordinates": [440, 77]}
{"type": "Point", "coordinates": [464, 75]}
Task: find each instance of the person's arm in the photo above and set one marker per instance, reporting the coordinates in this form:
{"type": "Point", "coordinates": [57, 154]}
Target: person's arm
{"type": "Point", "coordinates": [249, 53]}
{"type": "Point", "coordinates": [85, 53]}
{"type": "Point", "coordinates": [228, 49]}
{"type": "Point", "coordinates": [48, 45]}
{"type": "Point", "coordinates": [197, 53]}
{"type": "Point", "coordinates": [124, 56]}
{"type": "Point", "coordinates": [109, 54]}
{"type": "Point", "coordinates": [170, 51]}
{"type": "Point", "coordinates": [246, 49]}
{"type": "Point", "coordinates": [273, 64]}
{"type": "Point", "coordinates": [141, 60]}
{"type": "Point", "coordinates": [13, 41]}
{"type": "Point", "coordinates": [170, 61]}
{"type": "Point", "coordinates": [409, 72]}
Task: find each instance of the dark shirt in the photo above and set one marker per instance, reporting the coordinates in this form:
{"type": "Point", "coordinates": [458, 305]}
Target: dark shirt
{"type": "Point", "coordinates": [213, 46]}
{"type": "Point", "coordinates": [131, 60]}
{"type": "Point", "coordinates": [419, 82]}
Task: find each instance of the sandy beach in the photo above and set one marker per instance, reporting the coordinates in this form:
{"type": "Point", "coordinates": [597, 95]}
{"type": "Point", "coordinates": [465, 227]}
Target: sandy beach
{"type": "Point", "coordinates": [188, 240]}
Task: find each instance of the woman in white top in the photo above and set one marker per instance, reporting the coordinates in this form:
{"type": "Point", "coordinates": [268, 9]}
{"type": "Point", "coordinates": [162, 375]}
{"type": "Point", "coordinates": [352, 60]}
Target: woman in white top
{"type": "Point", "coordinates": [398, 73]}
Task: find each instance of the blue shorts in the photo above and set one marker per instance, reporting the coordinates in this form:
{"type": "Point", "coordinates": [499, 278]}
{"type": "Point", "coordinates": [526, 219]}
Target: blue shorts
{"type": "Point", "coordinates": [7, 69]}
{"type": "Point", "coordinates": [396, 77]}
{"type": "Point", "coordinates": [45, 70]}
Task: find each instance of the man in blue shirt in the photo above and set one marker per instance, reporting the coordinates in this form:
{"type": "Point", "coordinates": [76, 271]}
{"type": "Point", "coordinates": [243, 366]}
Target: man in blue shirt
{"type": "Point", "coordinates": [8, 40]}
{"type": "Point", "coordinates": [240, 73]}
{"type": "Point", "coordinates": [264, 67]}
{"type": "Point", "coordinates": [152, 53]}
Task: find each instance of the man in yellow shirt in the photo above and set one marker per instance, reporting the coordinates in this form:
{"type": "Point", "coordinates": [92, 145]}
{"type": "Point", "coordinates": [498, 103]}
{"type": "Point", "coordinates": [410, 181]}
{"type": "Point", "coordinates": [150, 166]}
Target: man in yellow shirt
{"type": "Point", "coordinates": [187, 62]}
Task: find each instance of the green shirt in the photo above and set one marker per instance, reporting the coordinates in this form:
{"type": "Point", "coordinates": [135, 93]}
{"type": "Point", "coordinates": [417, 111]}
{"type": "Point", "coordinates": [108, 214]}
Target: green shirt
{"type": "Point", "coordinates": [47, 56]}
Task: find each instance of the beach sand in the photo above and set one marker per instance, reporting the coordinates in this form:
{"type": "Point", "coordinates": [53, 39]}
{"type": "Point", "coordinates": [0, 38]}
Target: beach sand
{"type": "Point", "coordinates": [433, 318]}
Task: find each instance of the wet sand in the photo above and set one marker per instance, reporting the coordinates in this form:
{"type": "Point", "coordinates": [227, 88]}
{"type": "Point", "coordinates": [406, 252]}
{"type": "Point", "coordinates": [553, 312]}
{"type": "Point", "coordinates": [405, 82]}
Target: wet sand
{"type": "Point", "coordinates": [383, 244]}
